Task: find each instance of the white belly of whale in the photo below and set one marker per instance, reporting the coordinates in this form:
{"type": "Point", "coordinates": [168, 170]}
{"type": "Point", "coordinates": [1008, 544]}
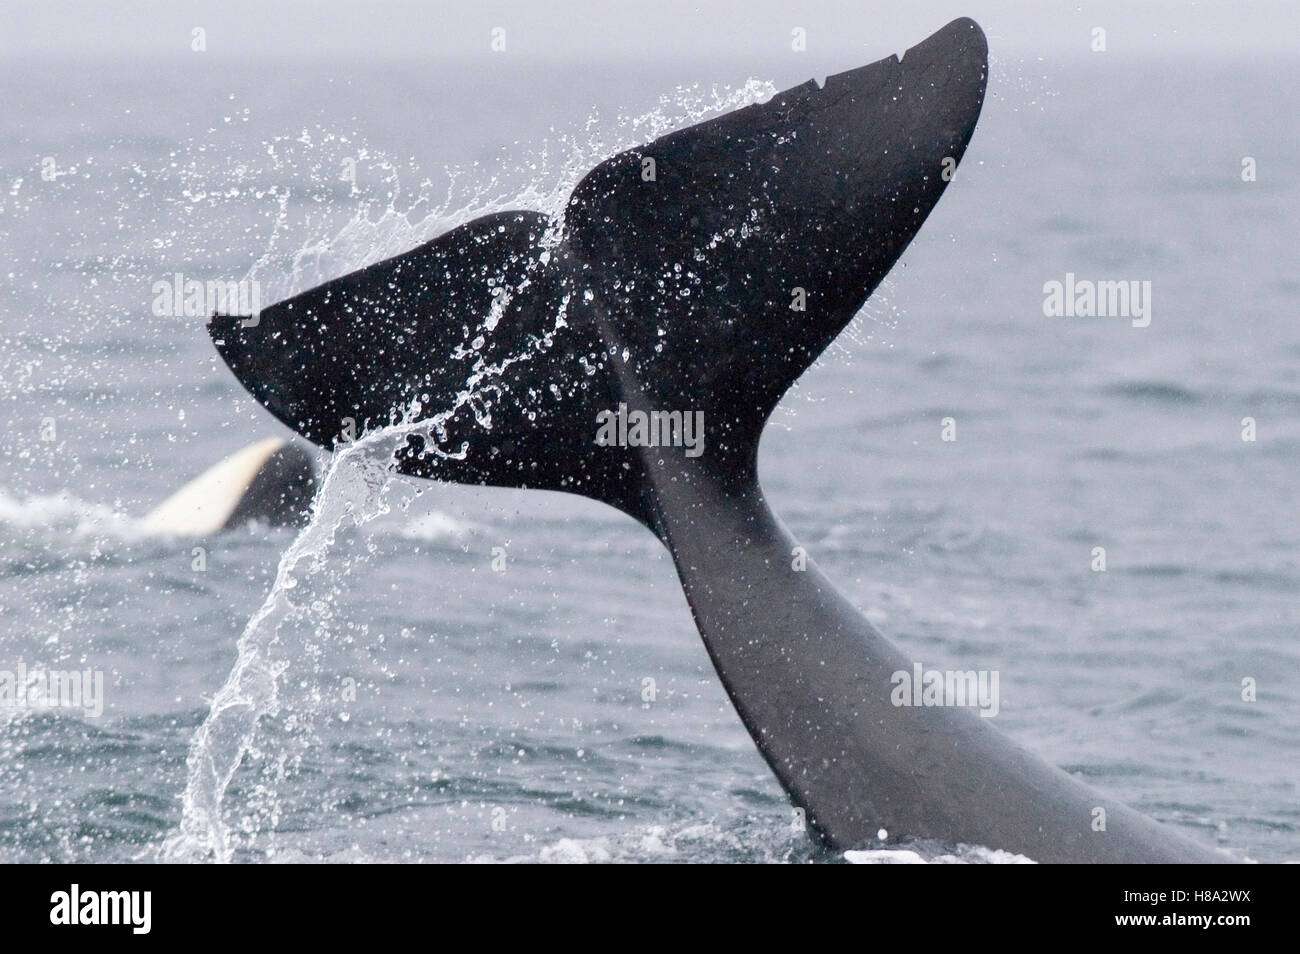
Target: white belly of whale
{"type": "Point", "coordinates": [205, 504]}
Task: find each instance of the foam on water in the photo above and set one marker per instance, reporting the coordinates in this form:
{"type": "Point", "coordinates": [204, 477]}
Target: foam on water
{"type": "Point", "coordinates": [434, 526]}
{"type": "Point", "coordinates": [67, 514]}
{"type": "Point", "coordinates": [963, 855]}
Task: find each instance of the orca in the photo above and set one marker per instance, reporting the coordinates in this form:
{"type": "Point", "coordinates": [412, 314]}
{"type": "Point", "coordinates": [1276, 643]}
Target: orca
{"type": "Point", "coordinates": [702, 273]}
{"type": "Point", "coordinates": [272, 481]}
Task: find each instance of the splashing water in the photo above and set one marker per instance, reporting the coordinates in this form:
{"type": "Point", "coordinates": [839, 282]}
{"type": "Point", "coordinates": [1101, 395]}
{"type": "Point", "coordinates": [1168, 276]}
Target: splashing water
{"type": "Point", "coordinates": [359, 482]}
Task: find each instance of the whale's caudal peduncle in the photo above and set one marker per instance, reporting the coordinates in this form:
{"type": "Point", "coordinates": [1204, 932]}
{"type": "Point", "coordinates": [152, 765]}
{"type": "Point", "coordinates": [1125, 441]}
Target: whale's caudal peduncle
{"type": "Point", "coordinates": [811, 678]}
{"type": "Point", "coordinates": [700, 275]}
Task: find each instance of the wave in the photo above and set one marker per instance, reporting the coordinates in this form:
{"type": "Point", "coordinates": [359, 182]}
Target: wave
{"type": "Point", "coordinates": [68, 515]}
{"type": "Point", "coordinates": [435, 526]}
{"type": "Point", "coordinates": [922, 854]}
{"type": "Point", "coordinates": [1161, 391]}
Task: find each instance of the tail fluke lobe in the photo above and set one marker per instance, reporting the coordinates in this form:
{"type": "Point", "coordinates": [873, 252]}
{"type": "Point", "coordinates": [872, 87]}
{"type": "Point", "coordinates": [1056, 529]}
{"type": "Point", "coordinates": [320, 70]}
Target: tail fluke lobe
{"type": "Point", "coordinates": [728, 255]}
{"type": "Point", "coordinates": [465, 331]}
{"type": "Point", "coordinates": [348, 355]}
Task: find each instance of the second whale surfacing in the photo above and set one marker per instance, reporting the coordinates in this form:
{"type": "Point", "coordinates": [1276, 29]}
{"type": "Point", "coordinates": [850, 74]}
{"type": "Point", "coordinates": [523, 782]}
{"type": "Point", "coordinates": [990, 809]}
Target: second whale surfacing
{"type": "Point", "coordinates": [672, 292]}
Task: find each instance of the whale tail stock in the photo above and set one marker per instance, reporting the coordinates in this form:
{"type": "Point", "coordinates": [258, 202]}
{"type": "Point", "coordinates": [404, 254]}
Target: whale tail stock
{"type": "Point", "coordinates": [699, 275]}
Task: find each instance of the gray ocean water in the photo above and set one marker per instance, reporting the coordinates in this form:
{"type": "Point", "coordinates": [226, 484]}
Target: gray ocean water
{"type": "Point", "coordinates": [396, 698]}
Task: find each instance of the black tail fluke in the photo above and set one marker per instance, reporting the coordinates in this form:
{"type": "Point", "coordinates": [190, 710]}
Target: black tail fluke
{"type": "Point", "coordinates": [764, 231]}
{"type": "Point", "coordinates": [700, 273]}
{"type": "Point", "coordinates": [343, 357]}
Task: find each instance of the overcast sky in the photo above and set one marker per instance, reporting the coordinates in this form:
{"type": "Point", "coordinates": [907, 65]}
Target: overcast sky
{"type": "Point", "coordinates": [851, 30]}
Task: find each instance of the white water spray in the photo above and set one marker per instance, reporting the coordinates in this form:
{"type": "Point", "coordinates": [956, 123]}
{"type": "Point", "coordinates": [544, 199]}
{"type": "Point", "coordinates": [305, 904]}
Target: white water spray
{"type": "Point", "coordinates": [356, 486]}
